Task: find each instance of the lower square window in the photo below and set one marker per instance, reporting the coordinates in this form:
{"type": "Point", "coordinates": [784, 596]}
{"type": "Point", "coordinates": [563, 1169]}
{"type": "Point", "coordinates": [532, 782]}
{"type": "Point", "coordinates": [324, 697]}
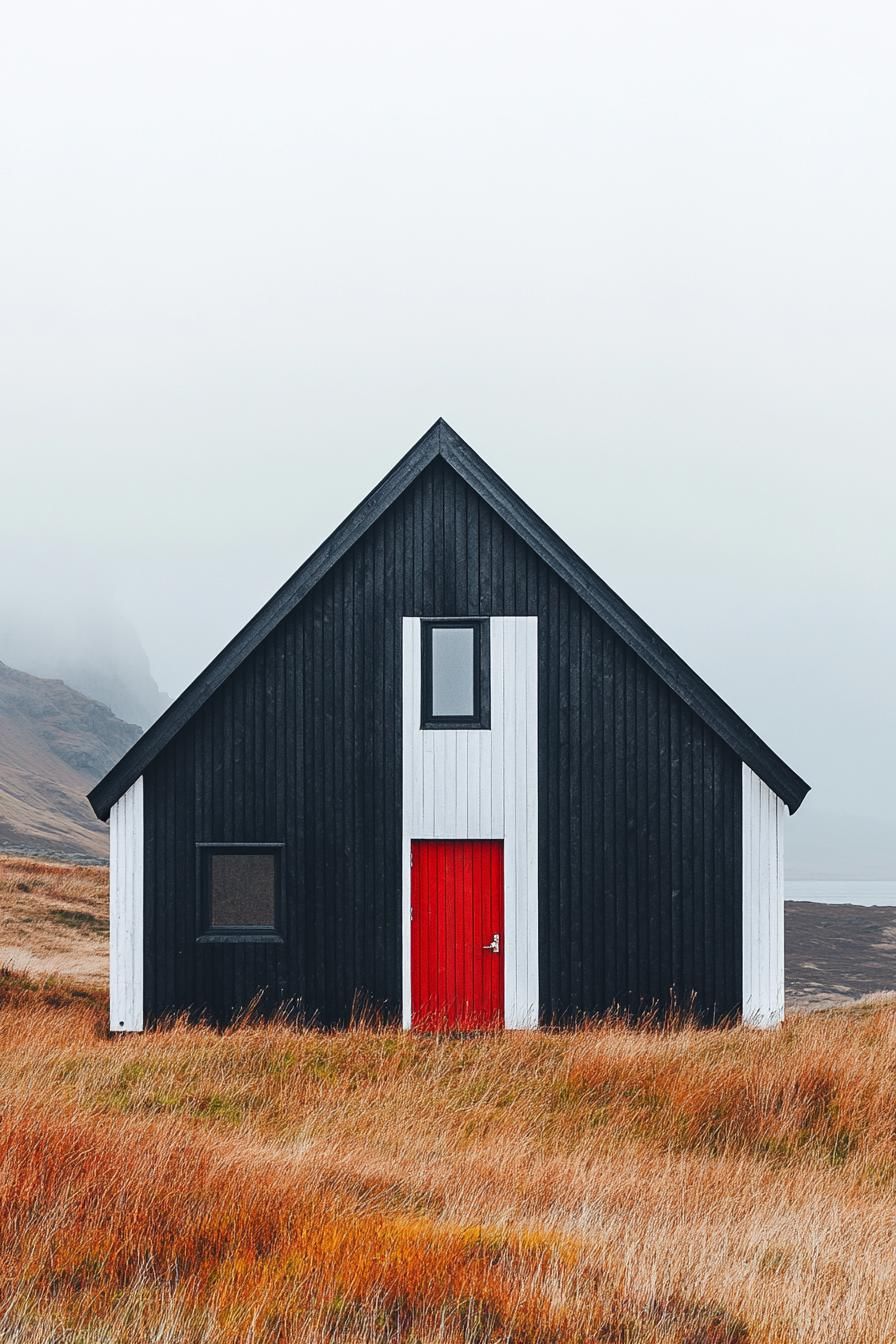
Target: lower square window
{"type": "Point", "coordinates": [239, 892]}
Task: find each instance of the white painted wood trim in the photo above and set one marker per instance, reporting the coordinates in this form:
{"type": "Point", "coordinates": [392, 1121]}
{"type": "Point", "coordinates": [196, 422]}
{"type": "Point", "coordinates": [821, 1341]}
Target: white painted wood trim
{"type": "Point", "coordinates": [763, 903]}
{"type": "Point", "coordinates": [411, 768]}
{"type": "Point", "coordinates": [480, 784]}
{"type": "Point", "coordinates": [126, 911]}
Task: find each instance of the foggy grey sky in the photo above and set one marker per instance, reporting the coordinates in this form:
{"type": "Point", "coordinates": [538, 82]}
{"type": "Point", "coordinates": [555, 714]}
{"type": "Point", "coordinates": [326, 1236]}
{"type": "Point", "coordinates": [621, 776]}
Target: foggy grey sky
{"type": "Point", "coordinates": [640, 256]}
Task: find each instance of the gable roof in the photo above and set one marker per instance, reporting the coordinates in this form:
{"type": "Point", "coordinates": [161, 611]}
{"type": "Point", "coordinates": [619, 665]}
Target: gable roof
{"type": "Point", "coordinates": [442, 441]}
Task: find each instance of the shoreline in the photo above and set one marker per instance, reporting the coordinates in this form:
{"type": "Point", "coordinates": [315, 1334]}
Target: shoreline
{"type": "Point", "coordinates": [837, 953]}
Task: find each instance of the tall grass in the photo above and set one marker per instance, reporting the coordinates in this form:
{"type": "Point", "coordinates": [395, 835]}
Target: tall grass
{"type": "Point", "coordinates": [273, 1184]}
{"type": "Point", "coordinates": [67, 884]}
{"type": "Point", "coordinates": [54, 917]}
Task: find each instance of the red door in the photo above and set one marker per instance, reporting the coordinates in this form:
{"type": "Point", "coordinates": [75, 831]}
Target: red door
{"type": "Point", "coordinates": [457, 934]}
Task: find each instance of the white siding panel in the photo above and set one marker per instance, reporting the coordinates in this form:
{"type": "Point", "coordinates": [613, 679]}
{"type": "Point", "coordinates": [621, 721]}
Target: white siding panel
{"type": "Point", "coordinates": [514, 914]}
{"type": "Point", "coordinates": [480, 784]}
{"type": "Point", "coordinates": [498, 689]}
{"type": "Point", "coordinates": [462, 784]}
{"type": "Point", "coordinates": [531, 691]}
{"type": "Point", "coordinates": [126, 911]}
{"type": "Point", "coordinates": [763, 903]}
{"type": "Point", "coordinates": [411, 768]}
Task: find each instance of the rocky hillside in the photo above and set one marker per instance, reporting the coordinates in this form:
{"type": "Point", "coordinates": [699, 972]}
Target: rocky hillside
{"type": "Point", "coordinates": [55, 744]}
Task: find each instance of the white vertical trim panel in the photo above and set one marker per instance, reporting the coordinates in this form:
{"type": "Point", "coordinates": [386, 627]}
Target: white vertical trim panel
{"type": "Point", "coordinates": [498, 690]}
{"type": "Point", "coordinates": [514, 899]}
{"type": "Point", "coordinates": [763, 902]}
{"type": "Point", "coordinates": [520, 709]}
{"type": "Point", "coordinates": [531, 818]}
{"type": "Point", "coordinates": [126, 911]}
{"type": "Point", "coordinates": [411, 768]}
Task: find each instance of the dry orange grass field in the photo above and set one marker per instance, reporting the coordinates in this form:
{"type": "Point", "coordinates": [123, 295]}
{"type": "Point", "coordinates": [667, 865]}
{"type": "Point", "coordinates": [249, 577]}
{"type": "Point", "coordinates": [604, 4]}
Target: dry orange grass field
{"type": "Point", "coordinates": [274, 1184]}
{"type": "Point", "coordinates": [54, 918]}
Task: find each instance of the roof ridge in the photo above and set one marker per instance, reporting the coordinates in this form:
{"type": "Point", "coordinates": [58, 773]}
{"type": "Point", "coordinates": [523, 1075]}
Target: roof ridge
{"type": "Point", "coordinates": [441, 440]}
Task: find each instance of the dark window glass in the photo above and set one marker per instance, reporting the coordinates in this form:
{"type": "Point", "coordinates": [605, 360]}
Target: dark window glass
{"type": "Point", "coordinates": [242, 890]}
{"type": "Point", "coordinates": [453, 671]}
{"type": "Point", "coordinates": [239, 892]}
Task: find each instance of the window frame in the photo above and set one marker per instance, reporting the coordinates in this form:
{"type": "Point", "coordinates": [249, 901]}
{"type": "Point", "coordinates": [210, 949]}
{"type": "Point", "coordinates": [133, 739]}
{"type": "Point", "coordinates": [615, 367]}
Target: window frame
{"type": "Point", "coordinates": [481, 716]}
{"type": "Point", "coordinates": [237, 933]}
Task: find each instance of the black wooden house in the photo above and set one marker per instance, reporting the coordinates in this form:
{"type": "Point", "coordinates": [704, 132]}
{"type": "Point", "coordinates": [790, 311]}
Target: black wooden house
{"type": "Point", "coordinates": [446, 774]}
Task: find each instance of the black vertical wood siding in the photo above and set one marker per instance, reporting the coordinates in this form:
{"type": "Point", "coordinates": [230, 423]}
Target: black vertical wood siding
{"type": "Point", "coordinates": [639, 801]}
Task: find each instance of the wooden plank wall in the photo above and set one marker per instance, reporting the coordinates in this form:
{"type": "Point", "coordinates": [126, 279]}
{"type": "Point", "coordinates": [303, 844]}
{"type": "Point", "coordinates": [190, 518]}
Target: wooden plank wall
{"type": "Point", "coordinates": [639, 830]}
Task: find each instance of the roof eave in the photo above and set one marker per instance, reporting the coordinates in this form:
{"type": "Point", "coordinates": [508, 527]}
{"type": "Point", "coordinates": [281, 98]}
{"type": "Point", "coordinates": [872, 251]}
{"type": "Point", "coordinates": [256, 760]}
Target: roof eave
{"type": "Point", "coordinates": [621, 618]}
{"type": "Point", "coordinates": [441, 439]}
{"type": "Point", "coordinates": [122, 775]}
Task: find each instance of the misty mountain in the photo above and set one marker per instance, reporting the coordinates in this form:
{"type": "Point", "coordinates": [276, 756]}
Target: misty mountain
{"type": "Point", "coordinates": [64, 633]}
{"type": "Point", "coordinates": [55, 744]}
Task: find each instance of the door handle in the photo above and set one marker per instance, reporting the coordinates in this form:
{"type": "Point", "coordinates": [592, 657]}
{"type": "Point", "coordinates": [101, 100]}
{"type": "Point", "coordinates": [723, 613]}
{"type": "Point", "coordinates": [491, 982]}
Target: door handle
{"type": "Point", "coordinates": [494, 945]}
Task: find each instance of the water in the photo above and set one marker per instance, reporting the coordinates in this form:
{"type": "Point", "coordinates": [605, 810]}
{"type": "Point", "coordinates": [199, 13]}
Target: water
{"type": "Point", "coordinates": [842, 893]}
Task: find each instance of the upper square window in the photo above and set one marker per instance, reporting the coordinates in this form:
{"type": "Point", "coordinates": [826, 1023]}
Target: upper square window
{"type": "Point", "coordinates": [455, 674]}
{"type": "Point", "coordinates": [239, 888]}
